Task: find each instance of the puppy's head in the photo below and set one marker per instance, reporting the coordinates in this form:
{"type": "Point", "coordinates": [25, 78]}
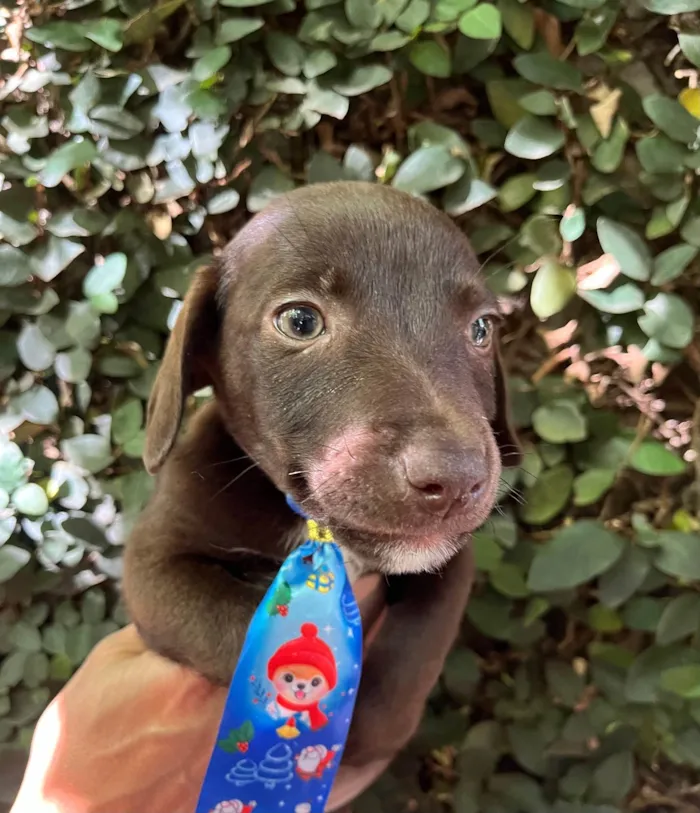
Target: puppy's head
{"type": "Point", "coordinates": [351, 344]}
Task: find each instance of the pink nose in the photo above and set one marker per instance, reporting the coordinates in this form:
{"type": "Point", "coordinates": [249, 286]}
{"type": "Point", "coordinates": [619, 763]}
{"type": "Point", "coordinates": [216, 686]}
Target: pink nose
{"type": "Point", "coordinates": [441, 474]}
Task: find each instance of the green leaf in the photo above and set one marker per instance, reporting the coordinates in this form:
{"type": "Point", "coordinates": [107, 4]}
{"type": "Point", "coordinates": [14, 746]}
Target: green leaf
{"type": "Point", "coordinates": [223, 202]}
{"type": "Point", "coordinates": [573, 224]}
{"type": "Point", "coordinates": [30, 500]}
{"type": "Point", "coordinates": [363, 79]}
{"type": "Point", "coordinates": [627, 247]}
{"type": "Point", "coordinates": [482, 22]}
{"type": "Point", "coordinates": [624, 578]}
{"type": "Point", "coordinates": [564, 685]}
{"type": "Point", "coordinates": [626, 298]}
{"type": "Point", "coordinates": [671, 118]}
{"type": "Point", "coordinates": [609, 153]}
{"type": "Point", "coordinates": [92, 453]}
{"type": "Point", "coordinates": [552, 288]}
{"type": "Point", "coordinates": [285, 52]}
{"type": "Point", "coordinates": [428, 169]}
{"type": "Point", "coordinates": [35, 351]}
{"type": "Point", "coordinates": [591, 485]}
{"type": "Point", "coordinates": [660, 155]}
{"type": "Point", "coordinates": [680, 619]}
{"type": "Point", "coordinates": [65, 159]}
{"type": "Point", "coordinates": [450, 11]}
{"type": "Point", "coordinates": [127, 421]}
{"type": "Point", "coordinates": [12, 667]}
{"type": "Point", "coordinates": [574, 556]}
{"type": "Point", "coordinates": [54, 256]}
{"type": "Point", "coordinates": [26, 637]}
{"type": "Point", "coordinates": [671, 263]}
{"type": "Point", "coordinates": [517, 191]}
{"type": "Point", "coordinates": [671, 6]}
{"type": "Point", "coordinates": [211, 63]}
{"type": "Point", "coordinates": [653, 458]}
{"type": "Point", "coordinates": [326, 102]}
{"type": "Point", "coordinates": [544, 69]}
{"type": "Point", "coordinates": [107, 277]}
{"type": "Point", "coordinates": [233, 29]}
{"type": "Point", "coordinates": [466, 195]}
{"type": "Point", "coordinates": [534, 138]}
{"type": "Point", "coordinates": [14, 269]}
{"type": "Point", "coordinates": [560, 422]}
{"type": "Point", "coordinates": [508, 579]}
{"type": "Point", "coordinates": [679, 555]}
{"type": "Point", "coordinates": [363, 14]}
{"type": "Point", "coordinates": [14, 469]}
{"type": "Point", "coordinates": [682, 680]}
{"type": "Point", "coordinates": [93, 606]}
{"type": "Point", "coordinates": [548, 497]}
{"type": "Point", "coordinates": [268, 184]}
{"type": "Point", "coordinates": [107, 33]}
{"type": "Point", "coordinates": [690, 45]}
{"type": "Point", "coordinates": [519, 22]}
{"type": "Point", "coordinates": [593, 30]}
{"type": "Point", "coordinates": [431, 58]}
{"type": "Point", "coordinates": [318, 62]}
{"type": "Point", "coordinates": [61, 34]}
{"type": "Point", "coordinates": [74, 365]}
{"type": "Point", "coordinates": [12, 560]}
{"type": "Point", "coordinates": [613, 778]}
{"type": "Point", "coordinates": [461, 674]}
{"type": "Point", "coordinates": [669, 319]}
{"type": "Point", "coordinates": [38, 405]}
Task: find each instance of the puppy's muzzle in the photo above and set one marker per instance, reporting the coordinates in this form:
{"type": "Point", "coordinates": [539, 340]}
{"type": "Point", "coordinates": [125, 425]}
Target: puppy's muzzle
{"type": "Point", "coordinates": [443, 475]}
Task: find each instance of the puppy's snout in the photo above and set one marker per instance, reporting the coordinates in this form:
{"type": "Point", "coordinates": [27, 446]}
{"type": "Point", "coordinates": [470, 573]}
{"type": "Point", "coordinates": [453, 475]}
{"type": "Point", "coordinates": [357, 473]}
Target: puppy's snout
{"type": "Point", "coordinates": [442, 474]}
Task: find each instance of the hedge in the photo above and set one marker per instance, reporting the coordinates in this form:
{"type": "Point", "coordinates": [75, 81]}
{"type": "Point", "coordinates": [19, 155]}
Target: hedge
{"type": "Point", "coordinates": [563, 136]}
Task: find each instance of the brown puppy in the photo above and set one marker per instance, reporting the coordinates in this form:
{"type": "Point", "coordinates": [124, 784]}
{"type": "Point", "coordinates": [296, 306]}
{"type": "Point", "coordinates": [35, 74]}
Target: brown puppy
{"type": "Point", "coordinates": [351, 346]}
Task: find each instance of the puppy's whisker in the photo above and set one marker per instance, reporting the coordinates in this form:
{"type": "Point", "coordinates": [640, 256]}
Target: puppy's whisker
{"type": "Point", "coordinates": [234, 480]}
{"type": "Point", "coordinates": [498, 250]}
{"type": "Point", "coordinates": [286, 238]}
{"type": "Point", "coordinates": [226, 462]}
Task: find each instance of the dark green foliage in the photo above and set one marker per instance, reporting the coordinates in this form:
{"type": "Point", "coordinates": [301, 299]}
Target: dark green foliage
{"type": "Point", "coordinates": [562, 135]}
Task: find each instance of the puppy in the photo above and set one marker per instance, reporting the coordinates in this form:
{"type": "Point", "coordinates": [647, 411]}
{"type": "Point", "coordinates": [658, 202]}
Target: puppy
{"type": "Point", "coordinates": [351, 346]}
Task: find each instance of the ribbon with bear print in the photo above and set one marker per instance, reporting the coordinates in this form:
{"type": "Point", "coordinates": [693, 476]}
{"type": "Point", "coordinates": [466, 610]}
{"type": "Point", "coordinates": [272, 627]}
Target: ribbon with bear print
{"type": "Point", "coordinates": [290, 703]}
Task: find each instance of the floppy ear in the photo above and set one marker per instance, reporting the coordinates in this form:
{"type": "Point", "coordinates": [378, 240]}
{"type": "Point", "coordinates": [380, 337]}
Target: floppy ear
{"type": "Point", "coordinates": [185, 367]}
{"type": "Point", "coordinates": [506, 438]}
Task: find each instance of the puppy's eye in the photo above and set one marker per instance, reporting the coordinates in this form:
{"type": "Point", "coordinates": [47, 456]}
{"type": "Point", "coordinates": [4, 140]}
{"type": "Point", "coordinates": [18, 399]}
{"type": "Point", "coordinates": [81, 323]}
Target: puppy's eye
{"type": "Point", "coordinates": [481, 331]}
{"type": "Point", "coordinates": [287, 677]}
{"type": "Point", "coordinates": [316, 682]}
{"type": "Point", "coordinates": [301, 322]}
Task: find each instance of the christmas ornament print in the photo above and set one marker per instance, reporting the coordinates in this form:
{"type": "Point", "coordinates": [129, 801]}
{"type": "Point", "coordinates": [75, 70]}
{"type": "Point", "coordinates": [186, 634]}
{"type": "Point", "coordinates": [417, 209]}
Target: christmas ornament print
{"type": "Point", "coordinates": [291, 700]}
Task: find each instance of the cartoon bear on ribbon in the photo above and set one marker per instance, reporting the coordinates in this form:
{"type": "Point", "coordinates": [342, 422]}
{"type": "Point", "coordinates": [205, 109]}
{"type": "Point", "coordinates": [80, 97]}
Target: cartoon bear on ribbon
{"type": "Point", "coordinates": [303, 672]}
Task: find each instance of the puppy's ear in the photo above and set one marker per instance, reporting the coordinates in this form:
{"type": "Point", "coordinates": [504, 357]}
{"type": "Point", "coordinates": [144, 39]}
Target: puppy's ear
{"type": "Point", "coordinates": [506, 438]}
{"type": "Point", "coordinates": [185, 368]}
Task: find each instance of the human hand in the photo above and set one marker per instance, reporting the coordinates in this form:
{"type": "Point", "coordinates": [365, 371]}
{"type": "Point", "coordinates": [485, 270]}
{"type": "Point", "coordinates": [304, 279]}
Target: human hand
{"type": "Point", "coordinates": [131, 732]}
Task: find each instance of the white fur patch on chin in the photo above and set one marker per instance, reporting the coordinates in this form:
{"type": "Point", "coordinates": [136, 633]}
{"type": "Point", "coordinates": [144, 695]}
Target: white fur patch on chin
{"type": "Point", "coordinates": [417, 557]}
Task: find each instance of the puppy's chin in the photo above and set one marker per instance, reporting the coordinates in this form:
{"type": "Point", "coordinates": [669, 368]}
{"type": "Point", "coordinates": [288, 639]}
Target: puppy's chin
{"type": "Point", "coordinates": [428, 555]}
{"type": "Point", "coordinates": [399, 554]}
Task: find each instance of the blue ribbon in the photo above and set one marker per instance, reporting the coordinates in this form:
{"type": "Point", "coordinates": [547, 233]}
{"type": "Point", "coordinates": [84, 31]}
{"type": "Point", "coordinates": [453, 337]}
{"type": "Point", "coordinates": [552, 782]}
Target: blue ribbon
{"type": "Point", "coordinates": [290, 703]}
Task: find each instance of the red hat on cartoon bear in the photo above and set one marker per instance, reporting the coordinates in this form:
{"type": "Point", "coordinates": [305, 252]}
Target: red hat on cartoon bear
{"type": "Point", "coordinates": [308, 650]}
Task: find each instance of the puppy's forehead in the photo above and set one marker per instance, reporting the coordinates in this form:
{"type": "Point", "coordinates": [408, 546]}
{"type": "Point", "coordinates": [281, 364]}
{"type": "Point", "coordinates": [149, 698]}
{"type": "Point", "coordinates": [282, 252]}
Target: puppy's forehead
{"type": "Point", "coordinates": [357, 240]}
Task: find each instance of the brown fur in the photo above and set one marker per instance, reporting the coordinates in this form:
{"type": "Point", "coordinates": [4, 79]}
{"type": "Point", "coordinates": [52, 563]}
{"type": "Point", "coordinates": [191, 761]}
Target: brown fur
{"type": "Point", "coordinates": [399, 287]}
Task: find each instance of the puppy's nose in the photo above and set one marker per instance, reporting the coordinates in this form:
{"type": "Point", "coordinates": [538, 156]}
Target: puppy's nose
{"type": "Point", "coordinates": [301, 685]}
{"type": "Point", "coordinates": [442, 474]}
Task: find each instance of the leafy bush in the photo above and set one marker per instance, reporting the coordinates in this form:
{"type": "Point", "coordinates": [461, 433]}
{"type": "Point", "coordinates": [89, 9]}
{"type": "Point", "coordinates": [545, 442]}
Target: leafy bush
{"type": "Point", "coordinates": [563, 136]}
